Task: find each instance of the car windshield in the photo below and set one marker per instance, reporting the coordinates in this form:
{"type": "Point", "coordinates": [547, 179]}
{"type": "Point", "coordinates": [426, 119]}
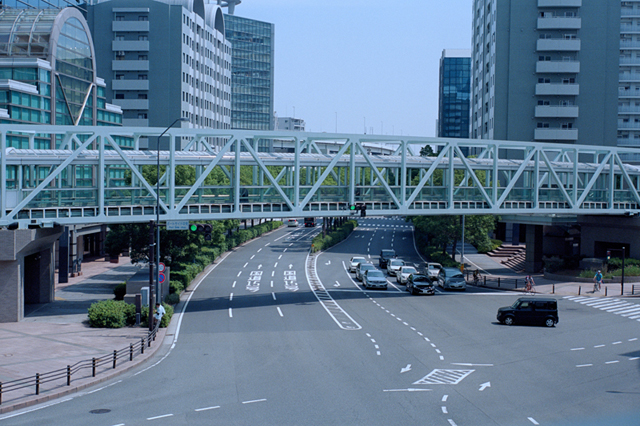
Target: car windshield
{"type": "Point", "coordinates": [374, 274]}
{"type": "Point", "coordinates": [366, 266]}
{"type": "Point", "coordinates": [408, 270]}
{"type": "Point", "coordinates": [420, 279]}
{"type": "Point", "coordinates": [357, 259]}
{"type": "Point", "coordinates": [388, 253]}
{"type": "Point", "coordinates": [396, 262]}
{"type": "Point", "coordinates": [458, 275]}
{"type": "Point", "coordinates": [433, 267]}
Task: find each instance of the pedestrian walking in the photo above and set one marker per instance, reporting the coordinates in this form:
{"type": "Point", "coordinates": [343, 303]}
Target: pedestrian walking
{"type": "Point", "coordinates": [157, 316]}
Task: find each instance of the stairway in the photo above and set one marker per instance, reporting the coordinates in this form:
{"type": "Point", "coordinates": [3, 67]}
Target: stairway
{"type": "Point", "coordinates": [514, 256]}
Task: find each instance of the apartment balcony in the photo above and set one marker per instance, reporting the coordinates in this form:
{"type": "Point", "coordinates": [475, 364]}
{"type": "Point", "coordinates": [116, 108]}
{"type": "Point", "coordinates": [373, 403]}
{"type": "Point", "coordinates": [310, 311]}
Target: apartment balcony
{"type": "Point", "coordinates": [556, 111]}
{"type": "Point", "coordinates": [130, 65]}
{"type": "Point", "coordinates": [629, 28]}
{"type": "Point", "coordinates": [138, 104]}
{"type": "Point", "coordinates": [130, 84]}
{"type": "Point", "coordinates": [558, 67]}
{"type": "Point", "coordinates": [129, 26]}
{"type": "Point", "coordinates": [556, 89]}
{"type": "Point", "coordinates": [130, 45]}
{"type": "Point", "coordinates": [629, 77]}
{"type": "Point", "coordinates": [559, 3]}
{"type": "Point", "coordinates": [629, 44]}
{"type": "Point", "coordinates": [628, 109]}
{"type": "Point", "coordinates": [635, 94]}
{"type": "Point", "coordinates": [560, 23]}
{"type": "Point", "coordinates": [629, 143]}
{"type": "Point", "coordinates": [630, 61]}
{"type": "Point", "coordinates": [555, 134]}
{"type": "Point", "coordinates": [558, 45]}
{"type": "Point", "coordinates": [630, 13]}
{"type": "Point", "coordinates": [629, 126]}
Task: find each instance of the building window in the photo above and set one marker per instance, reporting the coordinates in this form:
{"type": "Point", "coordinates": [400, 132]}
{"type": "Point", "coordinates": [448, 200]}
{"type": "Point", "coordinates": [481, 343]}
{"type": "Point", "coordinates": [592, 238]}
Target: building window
{"type": "Point", "coordinates": [143, 37]}
{"type": "Point", "coordinates": [119, 76]}
{"type": "Point", "coordinates": [143, 18]}
{"type": "Point", "coordinates": [142, 96]}
{"type": "Point", "coordinates": [143, 57]}
{"type": "Point", "coordinates": [143, 77]}
{"type": "Point", "coordinates": [119, 95]}
{"type": "Point", "coordinates": [142, 115]}
{"type": "Point", "coordinates": [119, 17]}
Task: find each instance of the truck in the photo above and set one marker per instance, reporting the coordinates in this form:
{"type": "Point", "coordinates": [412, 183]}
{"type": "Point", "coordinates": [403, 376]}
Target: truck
{"type": "Point", "coordinates": [309, 221]}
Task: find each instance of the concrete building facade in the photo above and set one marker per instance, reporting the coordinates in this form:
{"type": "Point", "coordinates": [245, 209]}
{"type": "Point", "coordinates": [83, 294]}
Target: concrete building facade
{"type": "Point", "coordinates": [629, 79]}
{"type": "Point", "coordinates": [545, 70]}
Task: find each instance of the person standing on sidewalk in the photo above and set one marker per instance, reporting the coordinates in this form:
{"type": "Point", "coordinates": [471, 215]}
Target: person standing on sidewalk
{"type": "Point", "coordinates": [157, 316]}
{"type": "Point", "coordinates": [597, 280]}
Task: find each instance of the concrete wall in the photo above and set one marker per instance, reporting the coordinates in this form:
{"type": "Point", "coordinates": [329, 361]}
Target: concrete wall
{"type": "Point", "coordinates": [22, 250]}
{"type": "Point", "coordinates": [600, 233]}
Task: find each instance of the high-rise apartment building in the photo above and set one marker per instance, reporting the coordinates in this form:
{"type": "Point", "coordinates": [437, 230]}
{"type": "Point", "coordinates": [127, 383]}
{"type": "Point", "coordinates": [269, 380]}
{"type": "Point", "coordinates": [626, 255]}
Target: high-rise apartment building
{"type": "Point", "coordinates": [252, 69]}
{"type": "Point", "coordinates": [164, 59]}
{"type": "Point", "coordinates": [454, 93]}
{"type": "Point", "coordinates": [545, 70]}
{"type": "Point", "coordinates": [629, 80]}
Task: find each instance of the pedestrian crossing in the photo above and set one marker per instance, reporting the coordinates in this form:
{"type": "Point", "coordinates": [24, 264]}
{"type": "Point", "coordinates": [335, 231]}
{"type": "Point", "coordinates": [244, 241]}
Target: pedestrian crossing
{"type": "Point", "coordinates": [621, 307]}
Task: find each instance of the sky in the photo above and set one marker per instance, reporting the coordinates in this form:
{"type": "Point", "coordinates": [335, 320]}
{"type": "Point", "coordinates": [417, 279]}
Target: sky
{"type": "Point", "coordinates": [356, 65]}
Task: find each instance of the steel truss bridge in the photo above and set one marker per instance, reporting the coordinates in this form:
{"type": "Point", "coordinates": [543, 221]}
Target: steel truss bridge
{"type": "Point", "coordinates": [219, 174]}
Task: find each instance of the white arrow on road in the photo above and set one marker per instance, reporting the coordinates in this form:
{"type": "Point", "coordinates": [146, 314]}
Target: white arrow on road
{"type": "Point", "coordinates": [260, 266]}
{"type": "Point", "coordinates": [328, 263]}
{"type": "Point", "coordinates": [484, 386]}
{"type": "Point", "coordinates": [290, 266]}
{"type": "Point", "coordinates": [405, 369]}
{"type": "Point", "coordinates": [337, 284]}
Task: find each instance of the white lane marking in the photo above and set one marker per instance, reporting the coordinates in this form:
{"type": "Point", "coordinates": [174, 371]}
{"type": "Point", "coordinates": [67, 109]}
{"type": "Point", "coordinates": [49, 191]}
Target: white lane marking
{"type": "Point", "coordinates": [441, 358]}
{"type": "Point", "coordinates": [444, 410]}
{"type": "Point", "coordinates": [231, 297]}
{"type": "Point", "coordinates": [104, 387]}
{"type": "Point", "coordinates": [451, 422]}
{"type": "Point", "coordinates": [407, 390]}
{"type": "Point", "coordinates": [378, 353]}
{"type": "Point", "coordinates": [255, 400]}
{"type": "Point", "coordinates": [584, 365]}
{"type": "Point", "coordinates": [616, 343]}
{"type": "Point", "coordinates": [251, 258]}
{"type": "Point", "coordinates": [633, 340]}
{"type": "Point", "coordinates": [275, 265]}
{"type": "Point", "coordinates": [634, 358]}
{"type": "Point", "coordinates": [259, 250]}
{"type": "Point", "coordinates": [444, 398]}
{"type": "Point", "coordinates": [245, 265]}
{"type": "Point", "coordinates": [274, 295]}
{"type": "Point", "coordinates": [36, 409]}
{"type": "Point", "coordinates": [284, 251]}
{"type": "Point", "coordinates": [230, 313]}
{"type": "Point", "coordinates": [233, 285]}
{"type": "Point", "coordinates": [273, 273]}
{"type": "Point", "coordinates": [532, 420]}
{"type": "Point", "coordinates": [577, 349]}
{"type": "Point", "coordinates": [239, 273]}
{"type": "Point", "coordinates": [209, 408]}
{"type": "Point", "coordinates": [612, 362]}
{"type": "Point", "coordinates": [467, 364]}
{"type": "Point", "coordinates": [272, 284]}
{"type": "Point", "coordinates": [280, 312]}
{"type": "Point", "coordinates": [599, 346]}
{"type": "Point", "coordinates": [159, 417]}
{"type": "Point", "coordinates": [279, 257]}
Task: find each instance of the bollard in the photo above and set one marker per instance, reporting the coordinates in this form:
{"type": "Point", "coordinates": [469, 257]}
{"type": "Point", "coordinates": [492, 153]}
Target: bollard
{"type": "Point", "coordinates": [130, 351]}
{"type": "Point", "coordinates": [142, 345]}
{"type": "Point", "coordinates": [485, 280]}
{"type": "Point", "coordinates": [93, 367]}
{"type": "Point", "coordinates": [115, 357]}
{"type": "Point", "coordinates": [621, 289]}
{"type": "Point", "coordinates": [68, 375]}
{"type": "Point", "coordinates": [37, 383]}
{"type": "Point", "coordinates": [605, 291]}
{"type": "Point", "coordinates": [0, 392]}
{"type": "Point", "coordinates": [579, 290]}
{"type": "Point", "coordinates": [498, 282]}
{"type": "Point", "coordinates": [553, 288]}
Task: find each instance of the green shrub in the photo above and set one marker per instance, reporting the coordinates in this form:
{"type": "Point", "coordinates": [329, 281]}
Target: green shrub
{"type": "Point", "coordinates": [629, 271]}
{"type": "Point", "coordinates": [120, 291]}
{"type": "Point", "coordinates": [175, 287]}
{"type": "Point", "coordinates": [322, 242]}
{"type": "Point", "coordinates": [172, 299]}
{"type": "Point", "coordinates": [553, 263]}
{"type": "Point", "coordinates": [166, 318]}
{"type": "Point", "coordinates": [111, 314]}
{"type": "Point", "coordinates": [442, 258]}
{"type": "Point", "coordinates": [616, 262]}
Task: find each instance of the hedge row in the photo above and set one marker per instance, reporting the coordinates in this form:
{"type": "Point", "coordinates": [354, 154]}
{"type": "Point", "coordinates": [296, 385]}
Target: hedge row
{"type": "Point", "coordinates": [183, 273]}
{"type": "Point", "coordinates": [118, 313]}
{"type": "Point", "coordinates": [323, 242]}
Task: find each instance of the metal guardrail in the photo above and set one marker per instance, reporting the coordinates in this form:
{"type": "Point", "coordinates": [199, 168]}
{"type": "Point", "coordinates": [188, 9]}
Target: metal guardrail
{"type": "Point", "coordinates": [130, 352]}
{"type": "Point", "coordinates": [497, 281]}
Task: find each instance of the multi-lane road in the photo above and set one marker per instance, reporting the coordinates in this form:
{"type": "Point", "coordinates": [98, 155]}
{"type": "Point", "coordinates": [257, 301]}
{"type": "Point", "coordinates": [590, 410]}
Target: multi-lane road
{"type": "Point", "coordinates": [273, 336]}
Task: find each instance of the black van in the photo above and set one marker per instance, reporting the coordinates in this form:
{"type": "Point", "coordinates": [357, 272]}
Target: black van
{"type": "Point", "coordinates": [530, 310]}
{"type": "Point", "coordinates": [309, 221]}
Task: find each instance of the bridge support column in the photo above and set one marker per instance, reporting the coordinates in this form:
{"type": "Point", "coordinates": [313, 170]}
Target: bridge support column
{"type": "Point", "coordinates": [533, 254]}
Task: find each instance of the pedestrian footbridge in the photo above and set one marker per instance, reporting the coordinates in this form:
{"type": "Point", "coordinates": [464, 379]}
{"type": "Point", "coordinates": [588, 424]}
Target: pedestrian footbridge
{"type": "Point", "coordinates": [208, 174]}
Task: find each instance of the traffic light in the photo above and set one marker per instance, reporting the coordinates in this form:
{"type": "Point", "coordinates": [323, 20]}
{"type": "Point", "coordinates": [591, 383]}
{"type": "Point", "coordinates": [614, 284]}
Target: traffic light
{"type": "Point", "coordinates": [608, 255]}
{"type": "Point", "coordinates": [202, 228]}
{"type": "Point", "coordinates": [363, 210]}
{"type": "Point", "coordinates": [353, 208]}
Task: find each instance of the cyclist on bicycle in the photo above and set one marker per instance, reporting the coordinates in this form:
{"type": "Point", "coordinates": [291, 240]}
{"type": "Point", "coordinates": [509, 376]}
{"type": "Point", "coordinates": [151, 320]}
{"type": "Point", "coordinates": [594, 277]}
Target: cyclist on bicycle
{"type": "Point", "coordinates": [529, 283]}
{"type": "Point", "coordinates": [476, 277]}
{"type": "Point", "coordinates": [597, 280]}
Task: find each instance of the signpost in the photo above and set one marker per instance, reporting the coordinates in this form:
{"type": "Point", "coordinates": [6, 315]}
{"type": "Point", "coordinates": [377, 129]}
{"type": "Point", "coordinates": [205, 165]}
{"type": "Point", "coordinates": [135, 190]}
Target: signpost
{"type": "Point", "coordinates": [177, 225]}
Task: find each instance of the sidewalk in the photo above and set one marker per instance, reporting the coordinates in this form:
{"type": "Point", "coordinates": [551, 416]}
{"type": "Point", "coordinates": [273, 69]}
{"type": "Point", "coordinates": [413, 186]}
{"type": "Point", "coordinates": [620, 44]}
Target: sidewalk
{"type": "Point", "coordinates": [54, 335]}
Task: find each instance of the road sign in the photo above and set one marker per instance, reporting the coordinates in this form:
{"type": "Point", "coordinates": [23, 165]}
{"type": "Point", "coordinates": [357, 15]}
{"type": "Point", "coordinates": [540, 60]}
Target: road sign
{"type": "Point", "coordinates": [161, 278]}
{"type": "Point", "coordinates": [161, 267]}
{"type": "Point", "coordinates": [177, 225]}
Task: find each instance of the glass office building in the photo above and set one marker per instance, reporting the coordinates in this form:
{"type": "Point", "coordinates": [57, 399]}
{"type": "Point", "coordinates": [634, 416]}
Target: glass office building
{"type": "Point", "coordinates": [454, 94]}
{"type": "Point", "coordinates": [47, 74]}
{"type": "Point", "coordinates": [252, 67]}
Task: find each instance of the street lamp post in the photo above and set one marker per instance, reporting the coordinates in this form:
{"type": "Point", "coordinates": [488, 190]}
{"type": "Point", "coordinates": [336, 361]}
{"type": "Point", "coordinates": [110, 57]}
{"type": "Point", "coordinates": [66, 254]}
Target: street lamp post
{"type": "Point", "coordinates": [157, 290]}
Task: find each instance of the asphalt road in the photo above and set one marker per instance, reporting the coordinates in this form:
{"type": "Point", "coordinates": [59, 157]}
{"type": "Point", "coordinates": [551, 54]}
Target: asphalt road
{"type": "Point", "coordinates": [275, 337]}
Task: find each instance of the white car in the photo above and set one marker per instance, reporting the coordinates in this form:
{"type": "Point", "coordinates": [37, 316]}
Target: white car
{"type": "Point", "coordinates": [292, 223]}
{"type": "Point", "coordinates": [402, 276]}
{"type": "Point", "coordinates": [394, 265]}
{"type": "Point", "coordinates": [432, 270]}
{"type": "Point", "coordinates": [355, 260]}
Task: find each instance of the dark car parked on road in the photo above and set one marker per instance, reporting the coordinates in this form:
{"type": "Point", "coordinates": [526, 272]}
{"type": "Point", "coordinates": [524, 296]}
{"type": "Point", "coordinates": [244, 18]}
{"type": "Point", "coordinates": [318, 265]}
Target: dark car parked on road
{"type": "Point", "coordinates": [530, 310]}
{"type": "Point", "coordinates": [420, 284]}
